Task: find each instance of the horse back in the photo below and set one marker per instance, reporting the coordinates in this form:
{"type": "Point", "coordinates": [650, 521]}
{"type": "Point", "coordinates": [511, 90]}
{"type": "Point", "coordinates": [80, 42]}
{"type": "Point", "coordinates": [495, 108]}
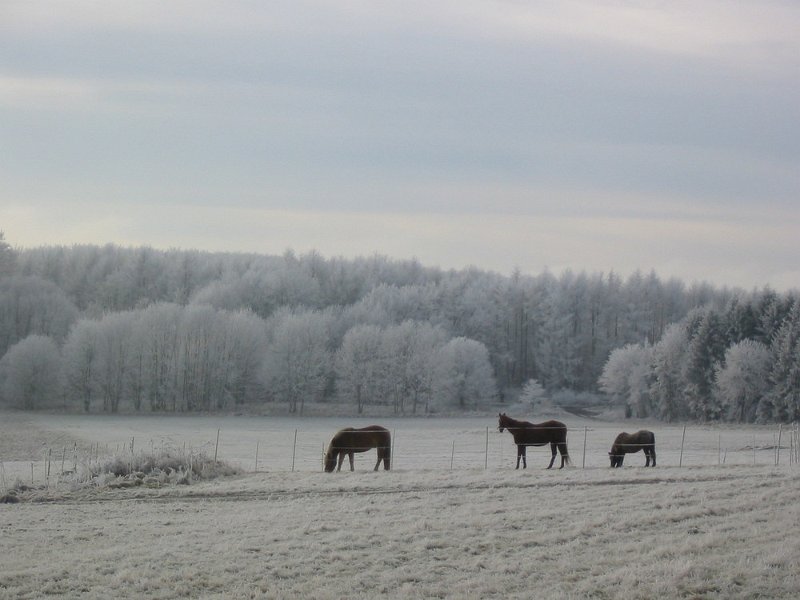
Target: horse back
{"type": "Point", "coordinates": [633, 442]}
{"type": "Point", "coordinates": [541, 433]}
{"type": "Point", "coordinates": [362, 439]}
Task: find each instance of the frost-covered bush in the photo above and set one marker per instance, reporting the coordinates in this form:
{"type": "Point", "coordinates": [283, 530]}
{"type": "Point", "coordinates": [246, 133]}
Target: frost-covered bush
{"type": "Point", "coordinates": [156, 468]}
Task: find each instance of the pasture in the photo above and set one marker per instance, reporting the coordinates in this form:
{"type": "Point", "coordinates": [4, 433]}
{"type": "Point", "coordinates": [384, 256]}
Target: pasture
{"type": "Point", "coordinates": [452, 519]}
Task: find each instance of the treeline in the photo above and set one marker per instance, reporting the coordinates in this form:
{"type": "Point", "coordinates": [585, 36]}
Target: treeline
{"type": "Point", "coordinates": [147, 330]}
{"type": "Point", "coordinates": [739, 362]}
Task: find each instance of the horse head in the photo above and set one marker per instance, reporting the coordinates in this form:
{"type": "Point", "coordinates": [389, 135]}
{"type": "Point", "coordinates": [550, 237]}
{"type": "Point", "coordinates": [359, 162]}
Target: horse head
{"type": "Point", "coordinates": [501, 421]}
{"type": "Point", "coordinates": [330, 461]}
{"type": "Point", "coordinates": [616, 459]}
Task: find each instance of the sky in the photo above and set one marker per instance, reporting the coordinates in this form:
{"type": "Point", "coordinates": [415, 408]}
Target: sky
{"type": "Point", "coordinates": [591, 135]}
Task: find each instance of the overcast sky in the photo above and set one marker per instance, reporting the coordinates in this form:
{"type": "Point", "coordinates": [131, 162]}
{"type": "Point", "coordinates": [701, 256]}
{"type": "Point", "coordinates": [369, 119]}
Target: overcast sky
{"type": "Point", "coordinates": [589, 135]}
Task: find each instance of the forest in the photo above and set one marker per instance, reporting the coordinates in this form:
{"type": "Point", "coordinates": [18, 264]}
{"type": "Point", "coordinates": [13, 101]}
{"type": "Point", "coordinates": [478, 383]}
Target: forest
{"type": "Point", "coordinates": [116, 329]}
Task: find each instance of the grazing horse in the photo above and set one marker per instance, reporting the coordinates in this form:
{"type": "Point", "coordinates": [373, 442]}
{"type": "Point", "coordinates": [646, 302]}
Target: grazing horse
{"type": "Point", "coordinates": [348, 441]}
{"type": "Point", "coordinates": [536, 434]}
{"type": "Point", "coordinates": [633, 442]}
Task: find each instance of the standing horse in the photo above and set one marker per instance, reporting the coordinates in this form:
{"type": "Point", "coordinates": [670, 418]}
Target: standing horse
{"type": "Point", "coordinates": [633, 442]}
{"type": "Point", "coordinates": [536, 434]}
{"type": "Point", "coordinates": [348, 441]}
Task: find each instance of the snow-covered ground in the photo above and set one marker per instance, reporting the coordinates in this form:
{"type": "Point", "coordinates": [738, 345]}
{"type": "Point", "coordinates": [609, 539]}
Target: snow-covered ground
{"type": "Point", "coordinates": [422, 530]}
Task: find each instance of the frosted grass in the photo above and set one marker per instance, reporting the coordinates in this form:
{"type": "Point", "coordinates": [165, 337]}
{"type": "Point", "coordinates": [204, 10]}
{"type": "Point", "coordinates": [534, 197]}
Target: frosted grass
{"type": "Point", "coordinates": [727, 531]}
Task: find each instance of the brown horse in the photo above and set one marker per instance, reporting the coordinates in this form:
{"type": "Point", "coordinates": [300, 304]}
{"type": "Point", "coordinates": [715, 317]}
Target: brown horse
{"type": "Point", "coordinates": [633, 442]}
{"type": "Point", "coordinates": [348, 441]}
{"type": "Point", "coordinates": [536, 434]}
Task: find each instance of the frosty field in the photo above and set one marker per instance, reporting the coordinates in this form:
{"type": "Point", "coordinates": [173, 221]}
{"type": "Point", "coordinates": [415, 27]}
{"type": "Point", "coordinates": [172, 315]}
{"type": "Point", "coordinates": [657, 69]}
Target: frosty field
{"type": "Point", "coordinates": [453, 519]}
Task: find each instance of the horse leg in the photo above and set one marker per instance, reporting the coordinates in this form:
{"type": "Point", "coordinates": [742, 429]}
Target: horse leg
{"type": "Point", "coordinates": [377, 464]}
{"type": "Point", "coordinates": [341, 460]}
{"type": "Point", "coordinates": [350, 456]}
{"type": "Point", "coordinates": [553, 456]}
{"type": "Point", "coordinates": [653, 455]}
{"type": "Point", "coordinates": [562, 448]}
{"type": "Point", "coordinates": [519, 454]}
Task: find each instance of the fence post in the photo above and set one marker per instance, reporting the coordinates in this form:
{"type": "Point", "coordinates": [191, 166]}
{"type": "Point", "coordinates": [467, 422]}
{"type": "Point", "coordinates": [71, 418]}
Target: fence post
{"type": "Point", "coordinates": [778, 451]}
{"type": "Point", "coordinates": [754, 449]}
{"type": "Point", "coordinates": [486, 461]}
{"type": "Point", "coordinates": [294, 449]}
{"type": "Point", "coordinates": [719, 448]}
{"type": "Point", "coordinates": [256, 469]}
{"type": "Point", "coordinates": [216, 447]}
{"type": "Point", "coordinates": [452, 455]}
{"type": "Point", "coordinates": [683, 437]}
{"type": "Point", "coordinates": [585, 430]}
{"type": "Point", "coordinates": [391, 457]}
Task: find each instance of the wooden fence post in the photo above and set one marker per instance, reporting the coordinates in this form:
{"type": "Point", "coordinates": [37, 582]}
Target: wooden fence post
{"type": "Point", "coordinates": [486, 460]}
{"type": "Point", "coordinates": [683, 437]}
{"type": "Point", "coordinates": [294, 451]}
{"type": "Point", "coordinates": [585, 430]}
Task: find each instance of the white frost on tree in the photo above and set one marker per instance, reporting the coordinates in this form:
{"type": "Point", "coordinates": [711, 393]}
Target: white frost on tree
{"type": "Point", "coordinates": [29, 374]}
{"type": "Point", "coordinates": [359, 365]}
{"type": "Point", "coordinates": [533, 393]}
{"type": "Point", "coordinates": [741, 380]}
{"type": "Point", "coordinates": [463, 375]}
{"type": "Point", "coordinates": [298, 361]}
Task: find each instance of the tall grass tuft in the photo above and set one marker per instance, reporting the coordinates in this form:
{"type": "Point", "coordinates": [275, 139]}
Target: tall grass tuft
{"type": "Point", "coordinates": [153, 468]}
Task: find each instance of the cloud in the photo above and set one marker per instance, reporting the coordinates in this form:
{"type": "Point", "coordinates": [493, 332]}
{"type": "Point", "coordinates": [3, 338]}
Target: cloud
{"type": "Point", "coordinates": [551, 125]}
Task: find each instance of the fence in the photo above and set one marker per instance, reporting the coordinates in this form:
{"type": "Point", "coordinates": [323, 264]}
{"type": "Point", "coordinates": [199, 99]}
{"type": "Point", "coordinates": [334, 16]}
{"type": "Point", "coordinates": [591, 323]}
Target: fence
{"type": "Point", "coordinates": [428, 447]}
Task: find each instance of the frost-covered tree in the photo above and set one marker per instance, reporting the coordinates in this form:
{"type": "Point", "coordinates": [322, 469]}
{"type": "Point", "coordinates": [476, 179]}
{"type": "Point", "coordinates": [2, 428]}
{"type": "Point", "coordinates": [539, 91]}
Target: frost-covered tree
{"type": "Point", "coordinates": [244, 356]}
{"type": "Point", "coordinates": [264, 287]}
{"type": "Point", "coordinates": [29, 374]}
{"type": "Point", "coordinates": [533, 393]}
{"type": "Point", "coordinates": [32, 305]}
{"type": "Point", "coordinates": [741, 380]}
{"type": "Point", "coordinates": [158, 356]}
{"type": "Point", "coordinates": [80, 365]}
{"type": "Point", "coordinates": [8, 257]}
{"type": "Point", "coordinates": [463, 375]}
{"type": "Point", "coordinates": [666, 390]}
{"type": "Point", "coordinates": [298, 362]}
{"type": "Point", "coordinates": [359, 366]}
{"type": "Point", "coordinates": [408, 350]}
{"type": "Point", "coordinates": [706, 350]}
{"type": "Point", "coordinates": [627, 378]}
{"type": "Point", "coordinates": [114, 348]}
{"type": "Point", "coordinates": [740, 320]}
{"type": "Point", "coordinates": [783, 401]}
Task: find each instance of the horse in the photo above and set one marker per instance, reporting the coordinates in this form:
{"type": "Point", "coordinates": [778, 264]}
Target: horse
{"type": "Point", "coordinates": [349, 440]}
{"type": "Point", "coordinates": [633, 442]}
{"type": "Point", "coordinates": [536, 434]}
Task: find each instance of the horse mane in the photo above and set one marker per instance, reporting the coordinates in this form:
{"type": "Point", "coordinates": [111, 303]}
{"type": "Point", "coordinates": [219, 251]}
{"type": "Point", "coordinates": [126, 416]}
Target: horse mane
{"type": "Point", "coordinates": [514, 422]}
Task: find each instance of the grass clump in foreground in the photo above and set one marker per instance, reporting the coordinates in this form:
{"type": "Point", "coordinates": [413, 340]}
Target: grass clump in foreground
{"type": "Point", "coordinates": [155, 469]}
{"type": "Point", "coordinates": [152, 469]}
